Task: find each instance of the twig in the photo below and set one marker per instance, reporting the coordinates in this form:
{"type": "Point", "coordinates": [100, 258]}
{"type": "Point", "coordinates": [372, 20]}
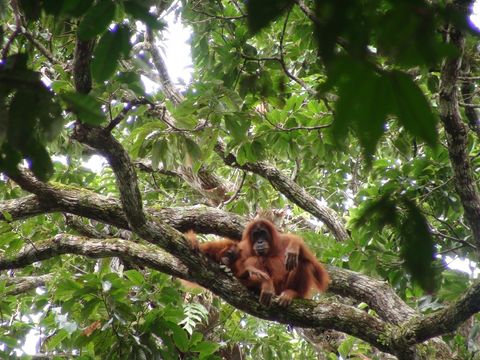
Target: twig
{"type": "Point", "coordinates": [307, 11]}
{"type": "Point", "coordinates": [295, 170]}
{"type": "Point", "coordinates": [450, 250]}
{"type": "Point", "coordinates": [40, 47]}
{"type": "Point", "coordinates": [453, 238]}
{"type": "Point", "coordinates": [16, 32]}
{"type": "Point", "coordinates": [219, 17]}
{"type": "Point", "coordinates": [308, 128]}
{"type": "Point", "coordinates": [237, 192]}
{"type": "Point", "coordinates": [124, 112]}
{"type": "Point", "coordinates": [467, 78]}
{"type": "Point", "coordinates": [168, 88]}
{"type": "Point", "coordinates": [472, 106]}
{"type": "Point", "coordinates": [237, 5]}
{"type": "Point", "coordinates": [284, 65]}
{"type": "Point", "coordinates": [9, 42]}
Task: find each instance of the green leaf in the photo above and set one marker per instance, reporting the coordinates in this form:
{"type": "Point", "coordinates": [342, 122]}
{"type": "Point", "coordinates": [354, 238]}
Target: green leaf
{"type": "Point", "coordinates": [56, 339]}
{"type": "Point", "coordinates": [418, 247]}
{"type": "Point", "coordinates": [7, 215]}
{"type": "Point", "coordinates": [364, 102]}
{"type": "Point", "coordinates": [237, 127]}
{"type": "Point", "coordinates": [262, 12]}
{"type": "Point", "coordinates": [205, 348]}
{"type": "Point", "coordinates": [413, 109]}
{"type": "Point", "coordinates": [85, 106]}
{"type": "Point", "coordinates": [179, 336]}
{"type": "Point", "coordinates": [31, 9]}
{"type": "Point", "coordinates": [41, 164]}
{"type": "Point", "coordinates": [193, 149]}
{"type": "Point", "coordinates": [346, 346]}
{"type": "Point", "coordinates": [135, 277]}
{"type": "Point", "coordinates": [9, 341]}
{"type": "Point", "coordinates": [61, 85]}
{"type": "Point", "coordinates": [380, 212]}
{"type": "Point", "coordinates": [141, 12]}
{"type": "Point", "coordinates": [159, 152]}
{"type": "Point", "coordinates": [10, 158]}
{"type": "Point", "coordinates": [454, 284]}
{"type": "Point", "coordinates": [96, 20]}
{"type": "Point", "coordinates": [111, 47]}
{"type": "Point", "coordinates": [21, 119]}
{"type": "Point", "coordinates": [355, 260]}
{"type": "Point", "coordinates": [70, 7]}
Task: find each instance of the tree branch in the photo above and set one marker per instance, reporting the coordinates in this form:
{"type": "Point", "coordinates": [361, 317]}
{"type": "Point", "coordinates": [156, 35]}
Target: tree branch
{"type": "Point", "coordinates": [305, 314]}
{"type": "Point", "coordinates": [23, 284]}
{"type": "Point", "coordinates": [291, 190]}
{"type": "Point", "coordinates": [54, 198]}
{"type": "Point", "coordinates": [201, 219]}
{"type": "Point", "coordinates": [170, 91]}
{"type": "Point", "coordinates": [456, 130]}
{"type": "Point", "coordinates": [443, 321]}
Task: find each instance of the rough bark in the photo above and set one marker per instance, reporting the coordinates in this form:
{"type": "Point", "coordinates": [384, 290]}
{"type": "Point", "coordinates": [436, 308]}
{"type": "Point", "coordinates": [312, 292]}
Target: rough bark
{"type": "Point", "coordinates": [23, 284]}
{"type": "Point", "coordinates": [50, 198]}
{"type": "Point", "coordinates": [291, 190]}
{"type": "Point", "coordinates": [443, 321]}
{"type": "Point", "coordinates": [456, 129]}
{"type": "Point", "coordinates": [306, 314]}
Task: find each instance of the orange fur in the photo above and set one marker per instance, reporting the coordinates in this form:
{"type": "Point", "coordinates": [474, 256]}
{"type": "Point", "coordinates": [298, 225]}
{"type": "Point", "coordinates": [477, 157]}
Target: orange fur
{"type": "Point", "coordinates": [292, 268]}
{"type": "Point", "coordinates": [286, 267]}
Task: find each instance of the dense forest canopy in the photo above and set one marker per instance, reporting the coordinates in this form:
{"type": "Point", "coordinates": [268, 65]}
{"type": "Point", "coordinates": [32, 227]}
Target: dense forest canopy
{"type": "Point", "coordinates": [351, 123]}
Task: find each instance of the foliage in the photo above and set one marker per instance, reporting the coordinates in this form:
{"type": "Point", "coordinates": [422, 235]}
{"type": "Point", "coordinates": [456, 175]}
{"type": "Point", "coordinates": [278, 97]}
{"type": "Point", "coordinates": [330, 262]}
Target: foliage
{"type": "Point", "coordinates": [344, 99]}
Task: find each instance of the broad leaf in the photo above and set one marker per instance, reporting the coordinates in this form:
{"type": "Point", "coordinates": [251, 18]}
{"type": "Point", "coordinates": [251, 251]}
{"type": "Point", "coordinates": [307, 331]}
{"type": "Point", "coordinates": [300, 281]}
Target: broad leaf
{"type": "Point", "coordinates": [418, 247]}
{"type": "Point", "coordinates": [142, 13]}
{"type": "Point", "coordinates": [86, 107]}
{"type": "Point", "coordinates": [112, 46]}
{"type": "Point", "coordinates": [96, 19]}
{"type": "Point", "coordinates": [261, 12]}
{"type": "Point", "coordinates": [413, 109]}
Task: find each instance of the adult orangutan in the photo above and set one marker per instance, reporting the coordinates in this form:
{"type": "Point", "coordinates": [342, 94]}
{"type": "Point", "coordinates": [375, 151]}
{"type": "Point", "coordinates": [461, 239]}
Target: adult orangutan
{"type": "Point", "coordinates": [270, 262]}
{"type": "Point", "coordinates": [292, 268]}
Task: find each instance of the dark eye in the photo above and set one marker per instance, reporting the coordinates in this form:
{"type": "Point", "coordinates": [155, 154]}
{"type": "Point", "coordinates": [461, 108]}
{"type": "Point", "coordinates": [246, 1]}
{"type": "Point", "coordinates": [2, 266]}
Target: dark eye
{"type": "Point", "coordinates": [258, 233]}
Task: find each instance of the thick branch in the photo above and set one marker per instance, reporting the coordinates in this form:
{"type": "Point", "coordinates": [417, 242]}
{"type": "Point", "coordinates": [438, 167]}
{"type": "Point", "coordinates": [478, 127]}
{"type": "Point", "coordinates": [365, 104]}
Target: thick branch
{"type": "Point", "coordinates": [376, 293]}
{"type": "Point", "coordinates": [456, 131]}
{"type": "Point", "coordinates": [443, 321]}
{"type": "Point", "coordinates": [23, 284]}
{"type": "Point", "coordinates": [124, 170]}
{"type": "Point", "coordinates": [206, 220]}
{"type": "Point", "coordinates": [50, 198]}
{"type": "Point", "coordinates": [81, 65]}
{"type": "Point", "coordinates": [304, 314]}
{"type": "Point", "coordinates": [291, 190]}
{"type": "Point", "coordinates": [468, 93]}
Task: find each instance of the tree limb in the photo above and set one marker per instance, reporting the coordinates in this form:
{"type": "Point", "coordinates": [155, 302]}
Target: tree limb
{"type": "Point", "coordinates": [305, 314]}
{"type": "Point", "coordinates": [23, 284]}
{"type": "Point", "coordinates": [291, 190]}
{"type": "Point", "coordinates": [209, 221]}
{"type": "Point", "coordinates": [456, 130]}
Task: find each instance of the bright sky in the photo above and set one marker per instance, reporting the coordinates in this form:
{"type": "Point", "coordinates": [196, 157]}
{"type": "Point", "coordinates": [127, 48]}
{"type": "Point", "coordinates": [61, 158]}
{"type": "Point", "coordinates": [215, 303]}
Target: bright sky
{"type": "Point", "coordinates": [475, 17]}
{"type": "Point", "coordinates": [177, 50]}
